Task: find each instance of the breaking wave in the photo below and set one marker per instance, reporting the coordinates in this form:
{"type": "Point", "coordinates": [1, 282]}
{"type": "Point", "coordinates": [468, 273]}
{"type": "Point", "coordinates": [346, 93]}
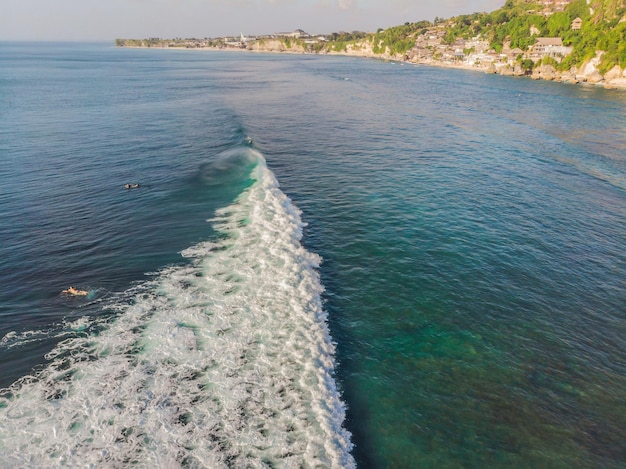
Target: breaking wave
{"type": "Point", "coordinates": [223, 362]}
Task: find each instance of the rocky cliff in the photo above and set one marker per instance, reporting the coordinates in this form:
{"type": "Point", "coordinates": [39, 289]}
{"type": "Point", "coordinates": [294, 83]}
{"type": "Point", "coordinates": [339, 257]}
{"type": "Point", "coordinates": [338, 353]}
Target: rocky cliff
{"type": "Point", "coordinates": [588, 72]}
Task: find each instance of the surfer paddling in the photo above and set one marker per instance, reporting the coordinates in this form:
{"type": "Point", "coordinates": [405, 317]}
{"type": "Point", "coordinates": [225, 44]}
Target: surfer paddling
{"type": "Point", "coordinates": [74, 292]}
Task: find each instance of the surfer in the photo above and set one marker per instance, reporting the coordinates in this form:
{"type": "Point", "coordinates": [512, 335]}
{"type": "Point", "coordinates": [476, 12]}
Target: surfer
{"type": "Point", "coordinates": [73, 291]}
{"type": "Point", "coordinates": [132, 186]}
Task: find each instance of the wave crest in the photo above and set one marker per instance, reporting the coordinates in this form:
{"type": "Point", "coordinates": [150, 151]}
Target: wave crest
{"type": "Point", "coordinates": [223, 362]}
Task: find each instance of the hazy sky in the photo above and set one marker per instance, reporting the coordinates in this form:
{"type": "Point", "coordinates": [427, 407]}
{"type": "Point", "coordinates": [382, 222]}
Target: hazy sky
{"type": "Point", "coordinates": [110, 19]}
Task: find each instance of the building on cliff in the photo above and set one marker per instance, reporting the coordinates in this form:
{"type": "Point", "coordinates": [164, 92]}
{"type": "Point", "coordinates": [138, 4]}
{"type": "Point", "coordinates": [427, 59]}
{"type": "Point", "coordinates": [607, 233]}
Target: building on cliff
{"type": "Point", "coordinates": [549, 47]}
{"type": "Point", "coordinates": [577, 24]}
{"type": "Point", "coordinates": [297, 34]}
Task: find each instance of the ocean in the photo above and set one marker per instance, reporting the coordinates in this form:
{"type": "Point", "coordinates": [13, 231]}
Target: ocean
{"type": "Point", "coordinates": [328, 262]}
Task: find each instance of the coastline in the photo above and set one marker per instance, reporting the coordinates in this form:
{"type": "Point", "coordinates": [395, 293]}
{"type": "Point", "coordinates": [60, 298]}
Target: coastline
{"type": "Point", "coordinates": [588, 76]}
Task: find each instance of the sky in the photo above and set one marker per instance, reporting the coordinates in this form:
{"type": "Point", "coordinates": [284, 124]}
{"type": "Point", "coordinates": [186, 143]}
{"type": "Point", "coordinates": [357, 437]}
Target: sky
{"type": "Point", "coordinates": [104, 20]}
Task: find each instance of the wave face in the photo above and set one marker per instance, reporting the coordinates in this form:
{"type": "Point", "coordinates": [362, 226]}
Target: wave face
{"type": "Point", "coordinates": [224, 362]}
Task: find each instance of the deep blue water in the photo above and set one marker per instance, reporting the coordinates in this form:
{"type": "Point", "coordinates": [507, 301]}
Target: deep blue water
{"type": "Point", "coordinates": [328, 261]}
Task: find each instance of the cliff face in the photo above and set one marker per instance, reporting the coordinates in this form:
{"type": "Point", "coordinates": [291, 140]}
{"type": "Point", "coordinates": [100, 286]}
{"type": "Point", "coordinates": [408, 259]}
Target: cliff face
{"type": "Point", "coordinates": [616, 77]}
{"type": "Point", "coordinates": [588, 72]}
{"type": "Point", "coordinates": [361, 48]}
{"type": "Point", "coordinates": [557, 43]}
{"type": "Point", "coordinates": [365, 48]}
{"type": "Point", "coordinates": [276, 45]}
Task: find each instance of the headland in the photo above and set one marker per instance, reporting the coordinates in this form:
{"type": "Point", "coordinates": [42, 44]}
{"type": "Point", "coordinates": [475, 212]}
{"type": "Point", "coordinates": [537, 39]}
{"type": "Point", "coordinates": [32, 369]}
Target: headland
{"type": "Point", "coordinates": [579, 41]}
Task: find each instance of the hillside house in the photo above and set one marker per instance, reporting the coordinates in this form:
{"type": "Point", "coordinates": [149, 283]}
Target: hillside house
{"type": "Point", "coordinates": [479, 45]}
{"type": "Point", "coordinates": [549, 47]}
{"type": "Point", "coordinates": [297, 34]}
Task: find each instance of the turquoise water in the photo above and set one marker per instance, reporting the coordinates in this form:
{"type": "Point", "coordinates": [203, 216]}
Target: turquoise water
{"type": "Point", "coordinates": [461, 234]}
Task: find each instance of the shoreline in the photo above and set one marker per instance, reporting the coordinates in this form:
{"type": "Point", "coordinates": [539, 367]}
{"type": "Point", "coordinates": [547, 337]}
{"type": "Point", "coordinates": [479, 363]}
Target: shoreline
{"type": "Point", "coordinates": [554, 77]}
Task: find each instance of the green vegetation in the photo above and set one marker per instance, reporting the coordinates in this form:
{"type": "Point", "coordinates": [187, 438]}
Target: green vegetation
{"type": "Point", "coordinates": [518, 19]}
{"type": "Point", "coordinates": [399, 39]}
{"type": "Point", "coordinates": [339, 46]}
{"type": "Point", "coordinates": [527, 64]}
{"type": "Point", "coordinates": [347, 37]}
{"type": "Point", "coordinates": [129, 42]}
{"type": "Point", "coordinates": [338, 42]}
{"type": "Point", "coordinates": [291, 43]}
{"type": "Point", "coordinates": [516, 25]}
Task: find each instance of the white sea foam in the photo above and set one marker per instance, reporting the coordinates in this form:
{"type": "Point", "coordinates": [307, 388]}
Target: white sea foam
{"type": "Point", "coordinates": [226, 362]}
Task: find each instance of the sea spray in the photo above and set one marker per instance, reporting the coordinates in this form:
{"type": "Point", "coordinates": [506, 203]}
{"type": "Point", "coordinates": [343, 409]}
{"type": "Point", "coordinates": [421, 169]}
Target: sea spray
{"type": "Point", "coordinates": [223, 362]}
